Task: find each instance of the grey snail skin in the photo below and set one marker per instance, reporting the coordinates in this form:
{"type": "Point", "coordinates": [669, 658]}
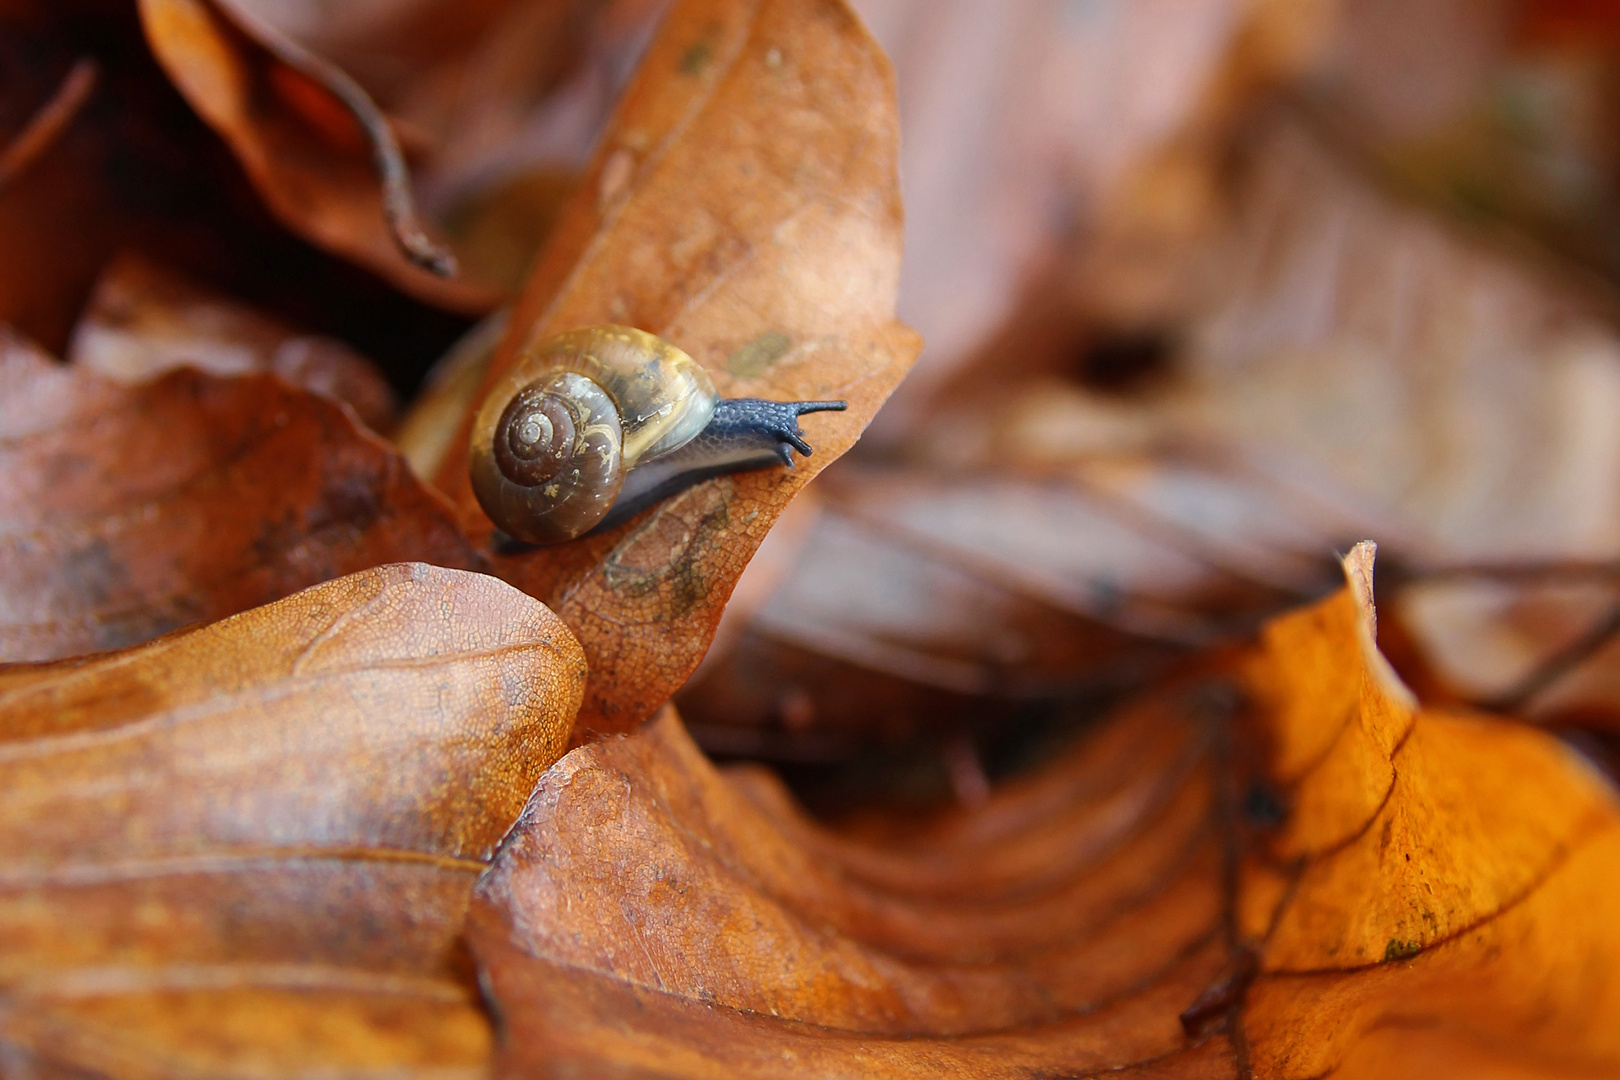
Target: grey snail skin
{"type": "Point", "coordinates": [595, 425]}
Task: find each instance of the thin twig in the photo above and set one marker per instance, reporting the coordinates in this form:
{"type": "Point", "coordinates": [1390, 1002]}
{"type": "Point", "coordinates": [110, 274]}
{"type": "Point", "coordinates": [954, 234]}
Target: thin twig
{"type": "Point", "coordinates": [1519, 572]}
{"type": "Point", "coordinates": [1559, 664]}
{"type": "Point", "coordinates": [47, 125]}
{"type": "Point", "coordinates": [399, 204]}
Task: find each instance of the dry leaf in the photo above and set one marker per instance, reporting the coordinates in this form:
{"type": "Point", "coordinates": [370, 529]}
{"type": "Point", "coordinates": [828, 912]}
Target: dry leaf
{"type": "Point", "coordinates": [1402, 885]}
{"type": "Point", "coordinates": [1441, 888]}
{"type": "Point", "coordinates": [130, 511]}
{"type": "Point", "coordinates": [919, 598]}
{"type": "Point", "coordinates": [248, 848]}
{"type": "Point", "coordinates": [130, 167]}
{"type": "Point", "coordinates": [143, 321]}
{"type": "Point", "coordinates": [745, 192]}
{"type": "Point", "coordinates": [1407, 367]}
{"type": "Point", "coordinates": [651, 916]}
{"type": "Point", "coordinates": [999, 574]}
{"type": "Point", "coordinates": [317, 149]}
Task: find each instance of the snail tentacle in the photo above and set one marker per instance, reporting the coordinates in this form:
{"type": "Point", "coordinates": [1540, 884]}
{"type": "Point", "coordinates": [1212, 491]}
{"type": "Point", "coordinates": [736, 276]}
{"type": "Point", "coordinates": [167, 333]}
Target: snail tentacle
{"type": "Point", "coordinates": [745, 434]}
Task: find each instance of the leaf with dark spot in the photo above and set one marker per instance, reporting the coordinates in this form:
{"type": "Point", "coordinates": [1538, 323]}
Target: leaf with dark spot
{"type": "Point", "coordinates": [127, 511]}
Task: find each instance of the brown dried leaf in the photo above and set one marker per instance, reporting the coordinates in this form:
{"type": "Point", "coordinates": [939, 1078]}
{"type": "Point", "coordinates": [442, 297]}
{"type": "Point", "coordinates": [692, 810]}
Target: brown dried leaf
{"type": "Point", "coordinates": [248, 847]}
{"type": "Point", "coordinates": [143, 321]}
{"type": "Point", "coordinates": [335, 177]}
{"type": "Point", "coordinates": [652, 916]}
{"type": "Point", "coordinates": [1402, 885]}
{"type": "Point", "coordinates": [129, 511]}
{"type": "Point", "coordinates": [996, 577]}
{"type": "Point", "coordinates": [744, 194]}
{"type": "Point", "coordinates": [134, 169]}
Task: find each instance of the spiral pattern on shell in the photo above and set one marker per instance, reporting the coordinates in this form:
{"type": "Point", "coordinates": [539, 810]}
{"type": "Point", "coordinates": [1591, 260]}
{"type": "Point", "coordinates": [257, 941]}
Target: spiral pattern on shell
{"type": "Point", "coordinates": [550, 465]}
{"type": "Point", "coordinates": [557, 434]}
{"type": "Point", "coordinates": [534, 438]}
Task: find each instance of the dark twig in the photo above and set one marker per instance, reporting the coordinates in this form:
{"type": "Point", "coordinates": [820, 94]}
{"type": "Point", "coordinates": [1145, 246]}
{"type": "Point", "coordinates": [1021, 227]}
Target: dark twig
{"type": "Point", "coordinates": [47, 125]}
{"type": "Point", "coordinates": [1514, 572]}
{"type": "Point", "coordinates": [399, 205]}
{"type": "Point", "coordinates": [1558, 665]}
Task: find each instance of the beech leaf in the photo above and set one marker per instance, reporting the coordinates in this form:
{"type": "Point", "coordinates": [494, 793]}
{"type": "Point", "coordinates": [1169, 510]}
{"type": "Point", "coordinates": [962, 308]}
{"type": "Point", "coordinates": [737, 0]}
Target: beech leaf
{"type": "Point", "coordinates": [143, 321]}
{"type": "Point", "coordinates": [1394, 885]}
{"type": "Point", "coordinates": [1060, 929]}
{"type": "Point", "coordinates": [1442, 887]}
{"type": "Point", "coordinates": [743, 204]}
{"type": "Point", "coordinates": [248, 847]}
{"type": "Point", "coordinates": [318, 150]}
{"type": "Point", "coordinates": [131, 510]}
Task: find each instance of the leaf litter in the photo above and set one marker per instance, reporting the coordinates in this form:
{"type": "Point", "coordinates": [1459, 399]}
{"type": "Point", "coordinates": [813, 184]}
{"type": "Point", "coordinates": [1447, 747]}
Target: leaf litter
{"type": "Point", "coordinates": [314, 827]}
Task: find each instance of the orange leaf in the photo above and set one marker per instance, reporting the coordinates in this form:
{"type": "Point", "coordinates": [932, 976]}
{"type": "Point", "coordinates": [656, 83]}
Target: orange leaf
{"type": "Point", "coordinates": [648, 912]}
{"type": "Point", "coordinates": [249, 846]}
{"type": "Point", "coordinates": [744, 205]}
{"type": "Point", "coordinates": [1443, 883]}
{"type": "Point", "coordinates": [1396, 887]}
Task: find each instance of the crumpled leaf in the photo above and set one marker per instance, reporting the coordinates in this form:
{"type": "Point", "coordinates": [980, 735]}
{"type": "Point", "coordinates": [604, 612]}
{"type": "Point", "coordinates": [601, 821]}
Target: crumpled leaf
{"type": "Point", "coordinates": [131, 510]}
{"type": "Point", "coordinates": [744, 205]}
{"type": "Point", "coordinates": [142, 321]}
{"type": "Point", "coordinates": [248, 847]}
{"type": "Point", "coordinates": [1277, 863]}
{"type": "Point", "coordinates": [649, 913]}
{"type": "Point", "coordinates": [334, 175]}
{"type": "Point", "coordinates": [1442, 884]}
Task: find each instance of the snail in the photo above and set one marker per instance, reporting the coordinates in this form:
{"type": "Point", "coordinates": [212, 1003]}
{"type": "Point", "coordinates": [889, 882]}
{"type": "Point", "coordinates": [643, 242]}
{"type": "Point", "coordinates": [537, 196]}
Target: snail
{"type": "Point", "coordinates": [594, 425]}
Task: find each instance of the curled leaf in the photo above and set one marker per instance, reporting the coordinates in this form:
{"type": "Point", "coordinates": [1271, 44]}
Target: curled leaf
{"type": "Point", "coordinates": [1441, 886]}
{"type": "Point", "coordinates": [1278, 863]}
{"type": "Point", "coordinates": [131, 510]}
{"type": "Point", "coordinates": [743, 204]}
{"type": "Point", "coordinates": [710, 925]}
{"type": "Point", "coordinates": [249, 846]}
{"type": "Point", "coordinates": [316, 147]}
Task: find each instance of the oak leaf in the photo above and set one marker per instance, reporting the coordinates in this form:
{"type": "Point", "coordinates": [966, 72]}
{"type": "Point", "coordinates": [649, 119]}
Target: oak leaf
{"type": "Point", "coordinates": [248, 847]}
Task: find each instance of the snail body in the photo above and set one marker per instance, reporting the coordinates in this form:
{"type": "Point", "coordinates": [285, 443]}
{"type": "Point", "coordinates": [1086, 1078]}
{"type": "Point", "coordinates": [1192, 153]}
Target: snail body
{"type": "Point", "coordinates": [594, 424]}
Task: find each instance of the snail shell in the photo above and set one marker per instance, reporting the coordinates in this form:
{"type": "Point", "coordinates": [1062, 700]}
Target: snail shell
{"type": "Point", "coordinates": [555, 437]}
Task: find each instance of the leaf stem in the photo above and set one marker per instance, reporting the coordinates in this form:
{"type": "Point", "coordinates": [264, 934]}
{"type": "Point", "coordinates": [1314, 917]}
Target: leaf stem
{"type": "Point", "coordinates": [47, 125]}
